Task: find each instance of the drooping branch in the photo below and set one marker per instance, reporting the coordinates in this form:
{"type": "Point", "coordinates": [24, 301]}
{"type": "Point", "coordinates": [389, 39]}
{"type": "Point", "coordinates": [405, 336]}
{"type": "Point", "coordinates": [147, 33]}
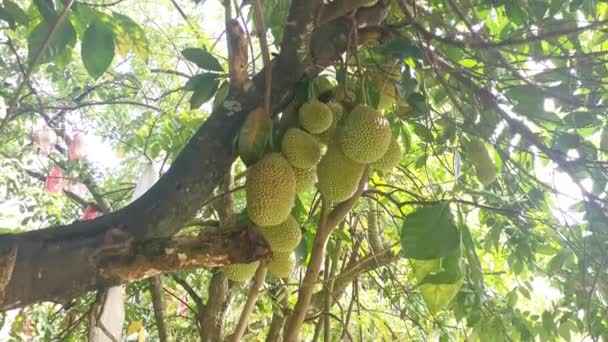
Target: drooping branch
{"type": "Point", "coordinates": [327, 224]}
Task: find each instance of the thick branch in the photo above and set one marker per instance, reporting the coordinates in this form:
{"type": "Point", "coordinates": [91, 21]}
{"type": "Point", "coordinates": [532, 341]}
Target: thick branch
{"type": "Point", "coordinates": [116, 259]}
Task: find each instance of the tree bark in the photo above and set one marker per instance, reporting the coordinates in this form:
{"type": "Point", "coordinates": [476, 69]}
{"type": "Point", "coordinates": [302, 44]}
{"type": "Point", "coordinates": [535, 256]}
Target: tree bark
{"type": "Point", "coordinates": [91, 264]}
{"type": "Point", "coordinates": [158, 304]}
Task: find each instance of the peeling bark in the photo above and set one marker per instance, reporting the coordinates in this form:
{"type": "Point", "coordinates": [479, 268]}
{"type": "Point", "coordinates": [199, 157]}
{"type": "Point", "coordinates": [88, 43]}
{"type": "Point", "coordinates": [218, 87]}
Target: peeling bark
{"type": "Point", "coordinates": [98, 264]}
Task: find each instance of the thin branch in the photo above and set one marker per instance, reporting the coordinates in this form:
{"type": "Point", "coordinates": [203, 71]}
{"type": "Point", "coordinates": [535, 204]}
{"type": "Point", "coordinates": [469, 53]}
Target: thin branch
{"type": "Point", "coordinates": [252, 298]}
{"type": "Point", "coordinates": [261, 31]}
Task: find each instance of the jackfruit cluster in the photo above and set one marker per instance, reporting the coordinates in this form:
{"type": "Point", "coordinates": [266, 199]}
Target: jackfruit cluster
{"type": "Point", "coordinates": [284, 237]}
{"type": "Point", "coordinates": [240, 272]}
{"type": "Point", "coordinates": [270, 190]}
{"type": "Point", "coordinates": [315, 116]}
{"type": "Point", "coordinates": [282, 264]}
{"type": "Point", "coordinates": [301, 149]}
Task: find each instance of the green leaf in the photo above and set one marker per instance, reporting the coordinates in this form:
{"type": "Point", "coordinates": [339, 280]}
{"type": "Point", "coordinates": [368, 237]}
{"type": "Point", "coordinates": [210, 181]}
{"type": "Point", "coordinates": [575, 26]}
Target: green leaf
{"type": "Point", "coordinates": [13, 14]}
{"type": "Point", "coordinates": [202, 59]}
{"type": "Point", "coordinates": [47, 10]}
{"type": "Point", "coordinates": [254, 136]}
{"type": "Point", "coordinates": [195, 80]}
{"type": "Point", "coordinates": [580, 119]}
{"type": "Point", "coordinates": [221, 94]}
{"type": "Point", "coordinates": [472, 258]}
{"type": "Point", "coordinates": [529, 101]}
{"type": "Point", "coordinates": [204, 87]}
{"type": "Point", "coordinates": [436, 296]}
{"type": "Point", "coordinates": [130, 37]}
{"type": "Point", "coordinates": [97, 48]}
{"type": "Point", "coordinates": [400, 47]}
{"type": "Point", "coordinates": [429, 233]}
{"type": "Point", "coordinates": [62, 38]}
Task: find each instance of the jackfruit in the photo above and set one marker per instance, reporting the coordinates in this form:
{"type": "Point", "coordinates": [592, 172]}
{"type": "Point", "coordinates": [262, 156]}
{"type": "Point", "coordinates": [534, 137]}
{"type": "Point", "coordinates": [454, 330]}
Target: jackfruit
{"type": "Point", "coordinates": [338, 176]}
{"type": "Point", "coordinates": [305, 179]}
{"type": "Point", "coordinates": [391, 157]}
{"type": "Point", "coordinates": [337, 111]}
{"type": "Point", "coordinates": [484, 165]}
{"type": "Point", "coordinates": [365, 136]}
{"type": "Point", "coordinates": [284, 237]}
{"type": "Point", "coordinates": [301, 149]}
{"type": "Point", "coordinates": [240, 272]}
{"type": "Point", "coordinates": [270, 190]}
{"type": "Point", "coordinates": [315, 116]}
{"type": "Point", "coordinates": [282, 264]}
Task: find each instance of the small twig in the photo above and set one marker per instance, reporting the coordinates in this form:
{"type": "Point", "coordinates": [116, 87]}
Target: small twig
{"type": "Point", "coordinates": [35, 61]}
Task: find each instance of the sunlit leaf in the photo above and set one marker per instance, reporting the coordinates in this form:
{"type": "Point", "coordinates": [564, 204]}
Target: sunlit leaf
{"type": "Point", "coordinates": [97, 48]}
{"type": "Point", "coordinates": [429, 232]}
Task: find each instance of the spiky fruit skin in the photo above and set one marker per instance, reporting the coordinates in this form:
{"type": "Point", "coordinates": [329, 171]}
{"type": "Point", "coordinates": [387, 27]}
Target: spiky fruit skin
{"type": "Point", "coordinates": [282, 264]}
{"type": "Point", "coordinates": [365, 136]}
{"type": "Point", "coordinates": [240, 272]}
{"type": "Point", "coordinates": [338, 176]}
{"type": "Point", "coordinates": [391, 157]}
{"type": "Point", "coordinates": [337, 110]}
{"type": "Point", "coordinates": [484, 165]}
{"type": "Point", "coordinates": [270, 190]}
{"type": "Point", "coordinates": [315, 116]}
{"type": "Point", "coordinates": [305, 179]}
{"type": "Point", "coordinates": [284, 237]}
{"type": "Point", "coordinates": [301, 149]}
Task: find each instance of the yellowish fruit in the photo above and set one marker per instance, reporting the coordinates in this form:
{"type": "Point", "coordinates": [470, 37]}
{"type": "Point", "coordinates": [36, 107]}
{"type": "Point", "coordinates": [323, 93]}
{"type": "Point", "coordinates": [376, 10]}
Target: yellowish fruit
{"type": "Point", "coordinates": [484, 165]}
{"type": "Point", "coordinates": [305, 179]}
{"type": "Point", "coordinates": [282, 264]}
{"type": "Point", "coordinates": [391, 157]}
{"type": "Point", "coordinates": [315, 116]}
{"type": "Point", "coordinates": [301, 149]}
{"type": "Point", "coordinates": [338, 176]}
{"type": "Point", "coordinates": [284, 237]}
{"type": "Point", "coordinates": [270, 190]}
{"type": "Point", "coordinates": [365, 136]}
{"type": "Point", "coordinates": [240, 272]}
{"type": "Point", "coordinates": [337, 111]}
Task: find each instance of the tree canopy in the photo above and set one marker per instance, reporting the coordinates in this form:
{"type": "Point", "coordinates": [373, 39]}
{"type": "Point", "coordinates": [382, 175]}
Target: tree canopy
{"type": "Point", "coordinates": [130, 131]}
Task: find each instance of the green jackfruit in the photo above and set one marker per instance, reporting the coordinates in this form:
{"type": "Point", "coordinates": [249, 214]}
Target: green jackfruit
{"type": "Point", "coordinates": [284, 237]}
{"type": "Point", "coordinates": [240, 272]}
{"type": "Point", "coordinates": [337, 111]}
{"type": "Point", "coordinates": [338, 176]}
{"type": "Point", "coordinates": [282, 264]}
{"type": "Point", "coordinates": [270, 190]}
{"type": "Point", "coordinates": [391, 157]}
{"type": "Point", "coordinates": [305, 179]}
{"type": "Point", "coordinates": [479, 156]}
{"type": "Point", "coordinates": [315, 116]}
{"type": "Point", "coordinates": [301, 149]}
{"type": "Point", "coordinates": [365, 136]}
